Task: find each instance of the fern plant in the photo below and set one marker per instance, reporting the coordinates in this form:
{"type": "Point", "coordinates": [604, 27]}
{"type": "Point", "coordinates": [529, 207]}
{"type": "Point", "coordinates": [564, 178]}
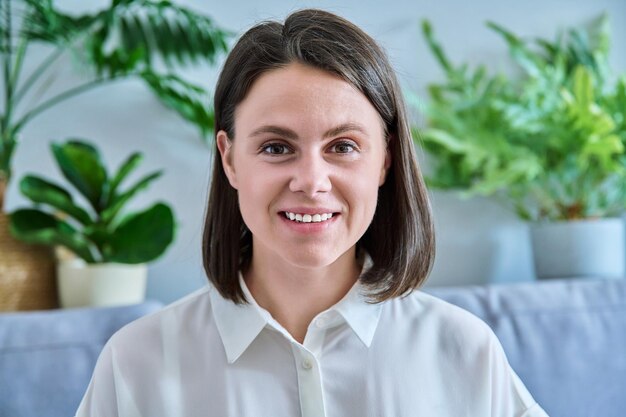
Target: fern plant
{"type": "Point", "coordinates": [128, 39]}
{"type": "Point", "coordinates": [552, 142]}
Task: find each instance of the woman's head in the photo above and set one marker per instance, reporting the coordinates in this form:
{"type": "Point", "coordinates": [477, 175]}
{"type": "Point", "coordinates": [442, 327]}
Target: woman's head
{"type": "Point", "coordinates": [313, 72]}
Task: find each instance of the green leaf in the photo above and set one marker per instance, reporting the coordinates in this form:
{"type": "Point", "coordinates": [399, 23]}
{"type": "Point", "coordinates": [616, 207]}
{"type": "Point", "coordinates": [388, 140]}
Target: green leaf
{"type": "Point", "coordinates": [44, 23]}
{"type": "Point", "coordinates": [125, 169]}
{"type": "Point", "coordinates": [39, 190]}
{"type": "Point", "coordinates": [37, 227]}
{"type": "Point", "coordinates": [528, 60]}
{"type": "Point", "coordinates": [446, 140]}
{"type": "Point", "coordinates": [583, 86]}
{"type": "Point", "coordinates": [108, 215]}
{"type": "Point", "coordinates": [188, 100]}
{"type": "Point", "coordinates": [435, 47]}
{"type": "Point", "coordinates": [135, 32]}
{"type": "Point", "coordinates": [142, 237]}
{"type": "Point", "coordinates": [81, 165]}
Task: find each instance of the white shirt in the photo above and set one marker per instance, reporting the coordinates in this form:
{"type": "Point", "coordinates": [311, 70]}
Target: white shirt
{"type": "Point", "coordinates": [204, 356]}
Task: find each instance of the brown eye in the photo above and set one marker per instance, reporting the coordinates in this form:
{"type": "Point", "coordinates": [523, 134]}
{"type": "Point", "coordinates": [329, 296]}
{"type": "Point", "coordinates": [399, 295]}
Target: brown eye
{"type": "Point", "coordinates": [344, 147]}
{"type": "Point", "coordinates": [274, 149]}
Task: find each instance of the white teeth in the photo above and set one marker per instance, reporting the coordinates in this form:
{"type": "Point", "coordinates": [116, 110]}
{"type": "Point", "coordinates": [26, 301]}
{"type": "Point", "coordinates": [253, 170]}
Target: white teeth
{"type": "Point", "coordinates": [308, 218]}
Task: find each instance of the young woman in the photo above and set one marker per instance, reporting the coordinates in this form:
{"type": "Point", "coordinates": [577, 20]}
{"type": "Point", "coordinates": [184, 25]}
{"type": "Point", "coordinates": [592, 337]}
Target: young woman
{"type": "Point", "coordinates": [317, 233]}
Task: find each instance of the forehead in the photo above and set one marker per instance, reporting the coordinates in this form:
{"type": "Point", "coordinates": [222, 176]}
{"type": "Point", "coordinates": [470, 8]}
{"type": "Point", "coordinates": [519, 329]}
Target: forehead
{"type": "Point", "coordinates": [307, 97]}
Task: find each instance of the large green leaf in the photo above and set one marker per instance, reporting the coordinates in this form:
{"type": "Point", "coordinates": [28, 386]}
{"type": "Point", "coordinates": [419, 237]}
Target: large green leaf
{"type": "Point", "coordinates": [39, 190]}
{"type": "Point", "coordinates": [81, 165]}
{"type": "Point", "coordinates": [142, 237]}
{"type": "Point", "coordinates": [38, 227]}
{"type": "Point", "coordinates": [132, 33]}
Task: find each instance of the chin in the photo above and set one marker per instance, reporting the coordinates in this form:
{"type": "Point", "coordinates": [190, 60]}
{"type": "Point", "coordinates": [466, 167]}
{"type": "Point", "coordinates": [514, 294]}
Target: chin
{"type": "Point", "coordinates": [310, 259]}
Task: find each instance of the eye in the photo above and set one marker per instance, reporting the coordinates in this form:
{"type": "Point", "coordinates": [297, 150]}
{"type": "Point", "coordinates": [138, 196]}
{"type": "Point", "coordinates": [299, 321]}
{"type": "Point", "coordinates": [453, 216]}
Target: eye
{"type": "Point", "coordinates": [344, 147]}
{"type": "Point", "coordinates": [274, 149]}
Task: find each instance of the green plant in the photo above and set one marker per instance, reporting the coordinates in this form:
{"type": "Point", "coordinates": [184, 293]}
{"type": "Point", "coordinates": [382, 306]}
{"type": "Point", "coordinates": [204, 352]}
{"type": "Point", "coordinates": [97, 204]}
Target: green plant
{"type": "Point", "coordinates": [100, 233]}
{"type": "Point", "coordinates": [129, 39]}
{"type": "Point", "coordinates": [551, 142]}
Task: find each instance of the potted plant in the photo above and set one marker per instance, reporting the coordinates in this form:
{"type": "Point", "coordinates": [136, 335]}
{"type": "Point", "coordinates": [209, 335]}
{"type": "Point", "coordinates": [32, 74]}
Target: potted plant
{"type": "Point", "coordinates": [550, 143]}
{"type": "Point", "coordinates": [110, 247]}
{"type": "Point", "coordinates": [129, 39]}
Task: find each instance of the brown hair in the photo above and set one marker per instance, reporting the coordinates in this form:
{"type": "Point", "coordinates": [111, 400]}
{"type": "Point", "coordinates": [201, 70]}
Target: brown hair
{"type": "Point", "coordinates": [400, 239]}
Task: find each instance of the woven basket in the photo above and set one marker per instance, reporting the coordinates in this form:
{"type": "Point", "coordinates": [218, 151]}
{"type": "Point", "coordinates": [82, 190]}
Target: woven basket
{"type": "Point", "coordinates": [27, 272]}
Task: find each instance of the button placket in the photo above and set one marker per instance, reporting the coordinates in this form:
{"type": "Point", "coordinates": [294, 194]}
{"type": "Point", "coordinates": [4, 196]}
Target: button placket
{"type": "Point", "coordinates": [309, 382]}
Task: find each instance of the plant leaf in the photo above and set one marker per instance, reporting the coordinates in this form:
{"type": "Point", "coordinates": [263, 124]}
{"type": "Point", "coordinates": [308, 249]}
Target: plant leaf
{"type": "Point", "coordinates": [37, 227]}
{"type": "Point", "coordinates": [81, 165]}
{"type": "Point", "coordinates": [132, 33]}
{"type": "Point", "coordinates": [108, 215]}
{"type": "Point", "coordinates": [142, 237]}
{"type": "Point", "coordinates": [125, 169]}
{"type": "Point", "coordinates": [39, 190]}
{"type": "Point", "coordinates": [188, 100]}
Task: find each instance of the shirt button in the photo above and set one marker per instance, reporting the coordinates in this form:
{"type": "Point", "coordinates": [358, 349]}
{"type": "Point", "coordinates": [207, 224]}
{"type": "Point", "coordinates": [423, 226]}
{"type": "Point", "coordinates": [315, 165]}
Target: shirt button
{"type": "Point", "coordinates": [306, 364]}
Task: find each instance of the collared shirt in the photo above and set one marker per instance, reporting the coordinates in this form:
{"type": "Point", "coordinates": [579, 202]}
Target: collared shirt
{"type": "Point", "coordinates": [204, 356]}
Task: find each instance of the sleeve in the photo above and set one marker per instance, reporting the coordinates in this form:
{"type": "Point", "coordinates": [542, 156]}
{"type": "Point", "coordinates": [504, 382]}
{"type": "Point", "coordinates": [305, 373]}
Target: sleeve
{"type": "Point", "coordinates": [107, 394]}
{"type": "Point", "coordinates": [100, 398]}
{"type": "Point", "coordinates": [509, 395]}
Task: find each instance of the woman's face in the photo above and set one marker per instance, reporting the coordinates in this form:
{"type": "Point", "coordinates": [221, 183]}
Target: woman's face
{"type": "Point", "coordinates": [307, 144]}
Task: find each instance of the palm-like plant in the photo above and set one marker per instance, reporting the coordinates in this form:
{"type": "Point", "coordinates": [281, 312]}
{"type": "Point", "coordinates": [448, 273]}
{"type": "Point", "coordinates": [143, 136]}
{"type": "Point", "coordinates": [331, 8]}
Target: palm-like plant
{"type": "Point", "coordinates": [129, 39]}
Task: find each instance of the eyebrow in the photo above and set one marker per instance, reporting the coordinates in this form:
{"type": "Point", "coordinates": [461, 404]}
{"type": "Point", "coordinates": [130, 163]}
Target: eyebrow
{"type": "Point", "coordinates": [290, 134]}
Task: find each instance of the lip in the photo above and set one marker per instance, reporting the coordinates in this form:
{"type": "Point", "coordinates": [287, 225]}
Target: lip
{"type": "Point", "coordinates": [309, 210]}
{"type": "Point", "coordinates": [308, 228]}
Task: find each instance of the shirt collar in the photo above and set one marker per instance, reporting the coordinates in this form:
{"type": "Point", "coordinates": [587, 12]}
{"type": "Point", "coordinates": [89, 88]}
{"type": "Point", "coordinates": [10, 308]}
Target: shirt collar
{"type": "Point", "coordinates": [360, 315]}
{"type": "Point", "coordinates": [239, 325]}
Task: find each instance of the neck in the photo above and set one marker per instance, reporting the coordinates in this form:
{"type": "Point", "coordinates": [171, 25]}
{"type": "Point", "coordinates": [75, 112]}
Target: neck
{"type": "Point", "coordinates": [294, 295]}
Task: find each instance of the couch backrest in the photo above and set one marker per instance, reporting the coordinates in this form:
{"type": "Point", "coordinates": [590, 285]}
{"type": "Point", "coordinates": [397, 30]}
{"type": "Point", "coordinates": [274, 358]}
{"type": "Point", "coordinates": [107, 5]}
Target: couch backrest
{"type": "Point", "coordinates": [47, 357]}
{"type": "Point", "coordinates": [566, 339]}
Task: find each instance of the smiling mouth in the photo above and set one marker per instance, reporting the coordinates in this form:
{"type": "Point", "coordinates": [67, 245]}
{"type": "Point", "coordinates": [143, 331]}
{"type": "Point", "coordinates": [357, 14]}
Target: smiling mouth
{"type": "Point", "coordinates": [308, 218]}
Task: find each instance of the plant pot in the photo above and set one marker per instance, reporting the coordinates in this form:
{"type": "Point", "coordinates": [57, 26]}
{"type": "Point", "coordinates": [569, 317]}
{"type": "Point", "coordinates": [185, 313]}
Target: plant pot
{"type": "Point", "coordinates": [579, 249]}
{"type": "Point", "coordinates": [99, 285]}
{"type": "Point", "coordinates": [27, 274]}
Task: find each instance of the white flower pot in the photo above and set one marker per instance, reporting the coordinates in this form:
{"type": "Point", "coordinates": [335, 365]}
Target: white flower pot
{"type": "Point", "coordinates": [98, 285]}
{"type": "Point", "coordinates": [581, 248]}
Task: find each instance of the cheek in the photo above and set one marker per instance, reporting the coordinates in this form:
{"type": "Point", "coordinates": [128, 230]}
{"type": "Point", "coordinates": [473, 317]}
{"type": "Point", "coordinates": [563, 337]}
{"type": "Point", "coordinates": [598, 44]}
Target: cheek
{"type": "Point", "coordinates": [256, 191]}
{"type": "Point", "coordinates": [362, 192]}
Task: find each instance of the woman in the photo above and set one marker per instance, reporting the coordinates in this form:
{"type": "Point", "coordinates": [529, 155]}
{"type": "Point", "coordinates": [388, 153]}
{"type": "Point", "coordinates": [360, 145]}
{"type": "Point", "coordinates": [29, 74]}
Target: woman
{"type": "Point", "coordinates": [317, 232]}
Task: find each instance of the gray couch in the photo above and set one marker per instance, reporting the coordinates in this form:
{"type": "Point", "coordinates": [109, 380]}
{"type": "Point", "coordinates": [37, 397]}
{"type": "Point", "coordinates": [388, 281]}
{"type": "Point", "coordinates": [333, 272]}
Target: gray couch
{"type": "Point", "coordinates": [47, 357]}
{"type": "Point", "coordinates": [565, 339]}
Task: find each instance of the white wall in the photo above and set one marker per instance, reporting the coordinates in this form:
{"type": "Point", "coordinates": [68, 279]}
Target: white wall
{"type": "Point", "coordinates": [478, 241]}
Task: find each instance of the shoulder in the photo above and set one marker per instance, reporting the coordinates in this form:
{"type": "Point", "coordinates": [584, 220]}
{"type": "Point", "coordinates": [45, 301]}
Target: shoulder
{"type": "Point", "coordinates": [190, 311]}
{"type": "Point", "coordinates": [434, 319]}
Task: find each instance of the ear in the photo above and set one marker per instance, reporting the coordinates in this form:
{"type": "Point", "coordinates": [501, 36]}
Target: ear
{"type": "Point", "coordinates": [225, 146]}
{"type": "Point", "coordinates": [387, 164]}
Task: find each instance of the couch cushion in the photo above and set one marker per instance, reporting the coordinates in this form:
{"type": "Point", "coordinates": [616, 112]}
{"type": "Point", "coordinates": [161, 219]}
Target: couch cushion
{"type": "Point", "coordinates": [47, 357]}
{"type": "Point", "coordinates": [566, 339]}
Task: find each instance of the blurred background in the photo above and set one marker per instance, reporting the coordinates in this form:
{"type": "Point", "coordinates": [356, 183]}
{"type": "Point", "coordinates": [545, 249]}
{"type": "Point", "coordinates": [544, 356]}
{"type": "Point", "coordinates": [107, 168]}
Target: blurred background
{"type": "Point", "coordinates": [479, 240]}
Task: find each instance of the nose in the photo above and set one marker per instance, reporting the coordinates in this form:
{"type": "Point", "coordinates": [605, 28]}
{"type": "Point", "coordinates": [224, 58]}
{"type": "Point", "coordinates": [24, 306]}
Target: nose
{"type": "Point", "coordinates": [311, 175]}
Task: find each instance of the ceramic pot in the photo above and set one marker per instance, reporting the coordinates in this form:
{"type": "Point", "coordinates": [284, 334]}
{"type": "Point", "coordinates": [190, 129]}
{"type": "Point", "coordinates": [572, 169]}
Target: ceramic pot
{"type": "Point", "coordinates": [99, 285]}
{"type": "Point", "coordinates": [579, 249]}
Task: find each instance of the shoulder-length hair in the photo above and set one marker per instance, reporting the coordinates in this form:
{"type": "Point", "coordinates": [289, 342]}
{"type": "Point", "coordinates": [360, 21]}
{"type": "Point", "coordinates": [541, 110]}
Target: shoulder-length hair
{"type": "Point", "coordinates": [400, 239]}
